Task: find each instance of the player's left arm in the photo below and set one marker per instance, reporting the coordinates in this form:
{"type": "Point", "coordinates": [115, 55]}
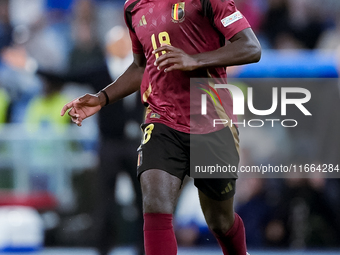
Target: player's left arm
{"type": "Point", "coordinates": [244, 48]}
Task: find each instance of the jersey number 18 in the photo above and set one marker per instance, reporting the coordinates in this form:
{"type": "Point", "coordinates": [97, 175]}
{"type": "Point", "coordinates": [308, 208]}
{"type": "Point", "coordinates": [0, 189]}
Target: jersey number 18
{"type": "Point", "coordinates": [163, 38]}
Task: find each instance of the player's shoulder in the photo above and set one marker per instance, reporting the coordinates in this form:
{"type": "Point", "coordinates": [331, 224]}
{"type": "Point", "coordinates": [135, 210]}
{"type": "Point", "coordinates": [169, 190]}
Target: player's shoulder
{"type": "Point", "coordinates": [219, 3]}
{"type": "Point", "coordinates": [211, 7]}
{"type": "Point", "coordinates": [228, 2]}
{"type": "Point", "coordinates": [129, 4]}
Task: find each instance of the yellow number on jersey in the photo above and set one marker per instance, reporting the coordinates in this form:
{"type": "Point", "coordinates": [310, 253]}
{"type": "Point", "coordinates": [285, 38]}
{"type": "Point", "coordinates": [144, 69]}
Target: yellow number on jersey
{"type": "Point", "coordinates": [154, 45]}
{"type": "Point", "coordinates": [147, 133]}
{"type": "Point", "coordinates": [163, 38]}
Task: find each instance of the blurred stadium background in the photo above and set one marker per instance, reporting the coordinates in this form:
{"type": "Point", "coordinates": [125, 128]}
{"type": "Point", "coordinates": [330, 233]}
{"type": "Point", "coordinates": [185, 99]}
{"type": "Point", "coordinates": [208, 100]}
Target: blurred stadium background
{"type": "Point", "coordinates": [55, 50]}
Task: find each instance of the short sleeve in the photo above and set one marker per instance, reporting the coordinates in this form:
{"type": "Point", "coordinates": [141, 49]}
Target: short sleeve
{"type": "Point", "coordinates": [225, 16]}
{"type": "Point", "coordinates": [137, 47]}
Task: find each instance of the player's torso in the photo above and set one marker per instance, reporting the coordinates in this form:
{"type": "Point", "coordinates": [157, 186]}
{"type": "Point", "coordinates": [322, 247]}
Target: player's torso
{"type": "Point", "coordinates": [175, 22]}
{"type": "Point", "coordinates": [182, 25]}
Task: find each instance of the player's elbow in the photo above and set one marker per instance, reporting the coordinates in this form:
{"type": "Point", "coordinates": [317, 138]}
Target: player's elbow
{"type": "Point", "coordinates": [249, 44]}
{"type": "Point", "coordinates": [254, 51]}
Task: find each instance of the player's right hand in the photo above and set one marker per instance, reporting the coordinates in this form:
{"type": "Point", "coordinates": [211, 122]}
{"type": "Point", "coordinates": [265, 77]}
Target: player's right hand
{"type": "Point", "coordinates": [82, 108]}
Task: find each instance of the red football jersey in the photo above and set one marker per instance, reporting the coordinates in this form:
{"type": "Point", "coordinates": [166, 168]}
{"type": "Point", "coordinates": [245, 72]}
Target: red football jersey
{"type": "Point", "coordinates": [194, 26]}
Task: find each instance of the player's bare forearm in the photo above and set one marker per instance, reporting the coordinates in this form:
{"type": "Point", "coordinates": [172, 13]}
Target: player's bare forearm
{"type": "Point", "coordinates": [88, 105]}
{"type": "Point", "coordinates": [128, 83]}
{"type": "Point", "coordinates": [244, 48]}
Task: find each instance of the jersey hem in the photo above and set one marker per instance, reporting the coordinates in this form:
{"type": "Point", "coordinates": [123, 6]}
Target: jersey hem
{"type": "Point", "coordinates": [183, 130]}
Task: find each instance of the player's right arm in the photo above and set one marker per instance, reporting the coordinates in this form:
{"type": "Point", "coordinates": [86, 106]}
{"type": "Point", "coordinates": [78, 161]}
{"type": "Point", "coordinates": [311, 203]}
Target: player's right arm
{"type": "Point", "coordinates": [89, 104]}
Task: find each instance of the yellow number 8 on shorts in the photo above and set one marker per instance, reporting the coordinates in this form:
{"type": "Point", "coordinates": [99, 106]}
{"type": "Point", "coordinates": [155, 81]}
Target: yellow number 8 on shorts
{"type": "Point", "coordinates": [147, 133]}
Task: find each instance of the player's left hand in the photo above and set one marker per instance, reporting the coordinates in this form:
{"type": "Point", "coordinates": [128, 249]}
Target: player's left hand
{"type": "Point", "coordinates": [174, 59]}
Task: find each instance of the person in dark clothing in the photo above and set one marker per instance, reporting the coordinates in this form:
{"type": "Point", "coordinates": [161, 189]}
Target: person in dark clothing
{"type": "Point", "coordinates": [118, 140]}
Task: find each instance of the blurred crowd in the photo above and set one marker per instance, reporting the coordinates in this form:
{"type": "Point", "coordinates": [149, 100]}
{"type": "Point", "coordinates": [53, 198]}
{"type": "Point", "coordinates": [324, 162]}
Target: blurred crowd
{"type": "Point", "coordinates": [294, 24]}
{"type": "Point", "coordinates": [54, 50]}
{"type": "Point", "coordinates": [55, 36]}
{"type": "Point", "coordinates": [45, 44]}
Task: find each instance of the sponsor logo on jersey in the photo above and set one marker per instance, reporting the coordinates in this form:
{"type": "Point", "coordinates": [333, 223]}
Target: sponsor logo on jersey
{"type": "Point", "coordinates": [227, 189]}
{"type": "Point", "coordinates": [142, 21]}
{"type": "Point", "coordinates": [177, 12]}
{"type": "Point", "coordinates": [231, 18]}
